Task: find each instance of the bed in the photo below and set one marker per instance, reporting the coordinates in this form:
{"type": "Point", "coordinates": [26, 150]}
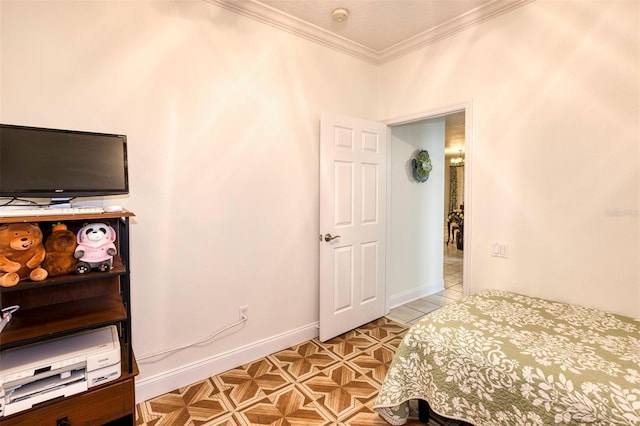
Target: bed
{"type": "Point", "coordinates": [500, 358]}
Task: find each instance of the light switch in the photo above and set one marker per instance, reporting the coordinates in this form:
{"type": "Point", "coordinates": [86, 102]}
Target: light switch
{"type": "Point", "coordinates": [499, 249]}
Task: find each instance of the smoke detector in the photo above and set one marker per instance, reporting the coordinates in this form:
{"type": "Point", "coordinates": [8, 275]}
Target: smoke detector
{"type": "Point", "coordinates": [340, 14]}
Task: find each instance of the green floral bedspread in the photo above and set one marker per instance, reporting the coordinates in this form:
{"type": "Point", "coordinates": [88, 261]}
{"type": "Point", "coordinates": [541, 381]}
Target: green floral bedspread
{"type": "Point", "coordinates": [498, 358]}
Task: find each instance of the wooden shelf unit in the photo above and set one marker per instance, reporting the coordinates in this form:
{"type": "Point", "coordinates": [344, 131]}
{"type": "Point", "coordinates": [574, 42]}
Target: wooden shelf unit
{"type": "Point", "coordinates": [63, 305]}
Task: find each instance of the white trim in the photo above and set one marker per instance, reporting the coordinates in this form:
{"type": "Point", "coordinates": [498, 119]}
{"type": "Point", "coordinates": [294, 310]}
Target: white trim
{"type": "Point", "coordinates": [405, 297]}
{"type": "Point", "coordinates": [275, 18]}
{"type": "Point", "coordinates": [168, 381]}
{"type": "Point", "coordinates": [387, 249]}
{"type": "Point", "coordinates": [427, 115]}
{"type": "Point", "coordinates": [468, 205]}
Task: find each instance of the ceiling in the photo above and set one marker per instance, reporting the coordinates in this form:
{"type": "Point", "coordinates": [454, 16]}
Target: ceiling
{"type": "Point", "coordinates": [375, 30]}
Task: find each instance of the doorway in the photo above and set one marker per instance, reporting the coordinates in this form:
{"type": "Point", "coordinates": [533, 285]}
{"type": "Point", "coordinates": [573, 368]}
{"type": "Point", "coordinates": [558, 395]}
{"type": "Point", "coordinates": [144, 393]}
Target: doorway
{"type": "Point", "coordinates": [454, 166]}
{"type": "Point", "coordinates": [418, 214]}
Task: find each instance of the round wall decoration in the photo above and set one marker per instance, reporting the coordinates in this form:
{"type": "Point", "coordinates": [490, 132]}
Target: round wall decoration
{"type": "Point", "coordinates": [421, 166]}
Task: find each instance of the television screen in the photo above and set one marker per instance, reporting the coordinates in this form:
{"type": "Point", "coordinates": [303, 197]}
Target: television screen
{"type": "Point", "coordinates": [37, 162]}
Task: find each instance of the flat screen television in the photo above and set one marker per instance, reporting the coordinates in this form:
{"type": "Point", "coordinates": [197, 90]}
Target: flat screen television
{"type": "Point", "coordinates": [61, 164]}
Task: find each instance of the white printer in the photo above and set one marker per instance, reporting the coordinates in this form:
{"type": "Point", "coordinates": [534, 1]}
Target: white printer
{"type": "Point", "coordinates": [57, 368]}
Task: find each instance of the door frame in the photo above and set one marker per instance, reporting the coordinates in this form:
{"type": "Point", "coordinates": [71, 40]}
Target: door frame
{"type": "Point", "coordinates": [467, 107]}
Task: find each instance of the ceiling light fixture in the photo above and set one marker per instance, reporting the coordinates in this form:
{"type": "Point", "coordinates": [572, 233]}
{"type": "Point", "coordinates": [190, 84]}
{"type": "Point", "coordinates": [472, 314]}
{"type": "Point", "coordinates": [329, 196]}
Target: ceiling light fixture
{"type": "Point", "coordinates": [340, 14]}
{"type": "Point", "coordinates": [458, 161]}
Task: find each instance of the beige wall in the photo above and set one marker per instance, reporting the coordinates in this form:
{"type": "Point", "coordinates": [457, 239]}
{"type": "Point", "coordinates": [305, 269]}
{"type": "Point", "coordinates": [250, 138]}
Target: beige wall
{"type": "Point", "coordinates": [221, 114]}
{"type": "Point", "coordinates": [554, 155]}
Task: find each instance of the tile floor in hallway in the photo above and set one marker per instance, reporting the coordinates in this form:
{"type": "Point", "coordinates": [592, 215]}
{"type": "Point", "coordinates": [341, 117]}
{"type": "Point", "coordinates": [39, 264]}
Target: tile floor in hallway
{"type": "Point", "coordinates": [411, 312]}
{"type": "Point", "coordinates": [312, 383]}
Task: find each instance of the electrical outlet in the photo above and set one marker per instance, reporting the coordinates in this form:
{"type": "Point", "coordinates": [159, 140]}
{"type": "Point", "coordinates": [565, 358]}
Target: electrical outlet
{"type": "Point", "coordinates": [244, 312]}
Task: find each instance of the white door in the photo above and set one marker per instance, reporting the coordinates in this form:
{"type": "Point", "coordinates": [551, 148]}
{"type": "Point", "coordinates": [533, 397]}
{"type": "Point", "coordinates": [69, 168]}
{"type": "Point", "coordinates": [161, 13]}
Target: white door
{"type": "Point", "coordinates": [352, 223]}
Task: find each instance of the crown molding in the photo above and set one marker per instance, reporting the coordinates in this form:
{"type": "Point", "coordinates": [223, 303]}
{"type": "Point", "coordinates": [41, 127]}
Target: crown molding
{"type": "Point", "coordinates": [273, 17]}
{"type": "Point", "coordinates": [447, 29]}
{"type": "Point", "coordinates": [293, 25]}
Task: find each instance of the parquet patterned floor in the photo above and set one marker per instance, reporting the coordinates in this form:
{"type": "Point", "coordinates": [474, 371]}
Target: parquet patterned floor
{"type": "Point", "coordinates": [313, 383]}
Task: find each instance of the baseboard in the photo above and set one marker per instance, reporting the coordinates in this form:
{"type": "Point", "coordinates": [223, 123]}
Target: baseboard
{"type": "Point", "coordinates": [151, 387]}
{"type": "Point", "coordinates": [407, 296]}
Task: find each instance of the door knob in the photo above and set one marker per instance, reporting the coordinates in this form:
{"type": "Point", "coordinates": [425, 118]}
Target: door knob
{"type": "Point", "coordinates": [329, 237]}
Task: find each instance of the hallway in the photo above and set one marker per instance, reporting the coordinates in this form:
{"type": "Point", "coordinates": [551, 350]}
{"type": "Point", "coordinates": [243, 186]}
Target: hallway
{"type": "Point", "coordinates": [412, 312]}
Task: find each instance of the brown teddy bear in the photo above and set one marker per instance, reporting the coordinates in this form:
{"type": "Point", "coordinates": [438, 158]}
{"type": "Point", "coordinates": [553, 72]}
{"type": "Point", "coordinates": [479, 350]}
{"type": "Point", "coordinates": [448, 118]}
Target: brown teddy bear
{"type": "Point", "coordinates": [21, 253]}
{"type": "Point", "coordinates": [60, 246]}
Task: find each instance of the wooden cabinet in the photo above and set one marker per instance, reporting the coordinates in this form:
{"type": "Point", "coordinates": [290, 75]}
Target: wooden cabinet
{"type": "Point", "coordinates": [63, 305]}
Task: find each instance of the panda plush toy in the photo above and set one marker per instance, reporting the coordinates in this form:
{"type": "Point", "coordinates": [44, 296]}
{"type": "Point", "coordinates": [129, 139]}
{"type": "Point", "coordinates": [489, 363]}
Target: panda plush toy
{"type": "Point", "coordinates": [96, 248]}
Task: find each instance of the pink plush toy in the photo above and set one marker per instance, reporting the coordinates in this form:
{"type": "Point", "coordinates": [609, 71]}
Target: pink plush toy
{"type": "Point", "coordinates": [96, 248]}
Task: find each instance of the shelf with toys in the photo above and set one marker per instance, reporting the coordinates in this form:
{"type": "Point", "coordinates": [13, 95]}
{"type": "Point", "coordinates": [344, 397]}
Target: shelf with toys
{"type": "Point", "coordinates": [71, 300]}
{"type": "Point", "coordinates": [64, 303]}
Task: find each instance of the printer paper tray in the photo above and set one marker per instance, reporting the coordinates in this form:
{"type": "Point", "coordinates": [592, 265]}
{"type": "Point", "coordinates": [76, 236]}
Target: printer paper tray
{"type": "Point", "coordinates": [25, 397]}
